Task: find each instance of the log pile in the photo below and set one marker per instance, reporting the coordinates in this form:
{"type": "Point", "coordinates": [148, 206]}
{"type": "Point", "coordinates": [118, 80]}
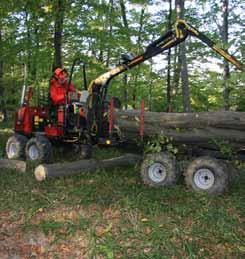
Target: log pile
{"type": "Point", "coordinates": [188, 128]}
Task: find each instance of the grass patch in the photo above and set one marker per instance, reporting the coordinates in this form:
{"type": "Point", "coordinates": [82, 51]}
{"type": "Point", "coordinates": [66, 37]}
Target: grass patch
{"type": "Point", "coordinates": [119, 217]}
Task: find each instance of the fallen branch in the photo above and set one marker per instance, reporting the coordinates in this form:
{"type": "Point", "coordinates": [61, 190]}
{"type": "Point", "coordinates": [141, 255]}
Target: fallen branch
{"type": "Point", "coordinates": [65, 169]}
{"type": "Point", "coordinates": [13, 164]}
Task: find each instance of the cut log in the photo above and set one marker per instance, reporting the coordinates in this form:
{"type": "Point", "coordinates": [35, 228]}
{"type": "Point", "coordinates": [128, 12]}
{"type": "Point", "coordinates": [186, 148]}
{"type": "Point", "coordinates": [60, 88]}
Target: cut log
{"type": "Point", "coordinates": [13, 164]}
{"type": "Point", "coordinates": [184, 127]}
{"type": "Point", "coordinates": [224, 119]}
{"type": "Point", "coordinates": [64, 169]}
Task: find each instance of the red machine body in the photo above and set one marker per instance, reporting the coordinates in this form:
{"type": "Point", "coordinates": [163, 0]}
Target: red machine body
{"type": "Point", "coordinates": [31, 119]}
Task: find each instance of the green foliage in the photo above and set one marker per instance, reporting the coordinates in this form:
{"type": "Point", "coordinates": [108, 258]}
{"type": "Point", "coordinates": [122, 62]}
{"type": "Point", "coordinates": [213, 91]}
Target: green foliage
{"type": "Point", "coordinates": [158, 143]}
{"type": "Point", "coordinates": [95, 31]}
{"type": "Point", "coordinates": [225, 148]}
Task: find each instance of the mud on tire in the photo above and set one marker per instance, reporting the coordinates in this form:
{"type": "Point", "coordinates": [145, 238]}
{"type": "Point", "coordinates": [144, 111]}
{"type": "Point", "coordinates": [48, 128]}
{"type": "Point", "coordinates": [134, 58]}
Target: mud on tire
{"type": "Point", "coordinates": [15, 146]}
{"type": "Point", "coordinates": [159, 170]}
{"type": "Point", "coordinates": [39, 149]}
{"type": "Point", "coordinates": [86, 151]}
{"type": "Point", "coordinates": [208, 175]}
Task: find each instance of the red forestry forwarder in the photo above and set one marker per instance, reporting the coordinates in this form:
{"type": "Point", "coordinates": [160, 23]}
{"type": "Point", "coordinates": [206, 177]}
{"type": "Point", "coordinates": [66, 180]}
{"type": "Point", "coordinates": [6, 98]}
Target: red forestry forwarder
{"type": "Point", "coordinates": [83, 120]}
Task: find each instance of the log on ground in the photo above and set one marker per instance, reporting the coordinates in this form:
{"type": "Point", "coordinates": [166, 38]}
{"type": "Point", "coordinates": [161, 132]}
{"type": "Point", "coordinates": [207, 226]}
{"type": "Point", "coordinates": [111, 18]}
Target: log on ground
{"type": "Point", "coordinates": [13, 164]}
{"type": "Point", "coordinates": [44, 171]}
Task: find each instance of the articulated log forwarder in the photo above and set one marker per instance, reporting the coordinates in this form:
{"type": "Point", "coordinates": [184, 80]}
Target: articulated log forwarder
{"type": "Point", "coordinates": [187, 128]}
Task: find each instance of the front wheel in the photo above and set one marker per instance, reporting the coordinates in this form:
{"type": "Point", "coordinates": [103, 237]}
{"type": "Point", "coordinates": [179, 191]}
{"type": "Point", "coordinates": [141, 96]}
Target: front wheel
{"type": "Point", "coordinates": [159, 170]}
{"type": "Point", "coordinates": [86, 151]}
{"type": "Point", "coordinates": [39, 149]}
{"type": "Point", "coordinates": [208, 175]}
{"type": "Point", "coordinates": [15, 147]}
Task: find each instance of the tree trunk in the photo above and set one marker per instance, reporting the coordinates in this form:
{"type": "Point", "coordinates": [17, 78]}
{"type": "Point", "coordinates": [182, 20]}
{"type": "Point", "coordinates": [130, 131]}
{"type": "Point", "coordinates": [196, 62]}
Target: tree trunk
{"type": "Point", "coordinates": [184, 70]}
{"type": "Point", "coordinates": [139, 41]}
{"type": "Point", "coordinates": [177, 69]}
{"type": "Point", "coordinates": [185, 78]}
{"type": "Point", "coordinates": [59, 17]}
{"type": "Point", "coordinates": [110, 18]}
{"type": "Point", "coordinates": [169, 101]}
{"type": "Point", "coordinates": [226, 72]}
{"type": "Point", "coordinates": [123, 12]}
{"type": "Point", "coordinates": [150, 85]}
{"type": "Point", "coordinates": [2, 102]}
{"type": "Point", "coordinates": [125, 24]}
{"type": "Point", "coordinates": [125, 90]}
{"type": "Point", "coordinates": [64, 169]}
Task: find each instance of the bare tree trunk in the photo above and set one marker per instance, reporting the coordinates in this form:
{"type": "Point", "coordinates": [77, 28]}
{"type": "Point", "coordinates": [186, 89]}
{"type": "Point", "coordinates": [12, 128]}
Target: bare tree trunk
{"type": "Point", "coordinates": [59, 18]}
{"type": "Point", "coordinates": [125, 90]}
{"type": "Point", "coordinates": [2, 102]}
{"type": "Point", "coordinates": [110, 32]}
{"type": "Point", "coordinates": [124, 16]}
{"type": "Point", "coordinates": [125, 78]}
{"type": "Point", "coordinates": [169, 101]}
{"type": "Point", "coordinates": [139, 48]}
{"type": "Point", "coordinates": [134, 89]}
{"type": "Point", "coordinates": [150, 85]}
{"type": "Point", "coordinates": [185, 79]}
{"type": "Point", "coordinates": [184, 70]}
{"type": "Point", "coordinates": [226, 72]}
{"type": "Point", "coordinates": [29, 43]}
{"type": "Point", "coordinates": [177, 69]}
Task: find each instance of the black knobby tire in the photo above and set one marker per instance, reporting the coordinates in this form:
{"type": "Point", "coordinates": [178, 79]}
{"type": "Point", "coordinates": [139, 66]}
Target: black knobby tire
{"type": "Point", "coordinates": [15, 147]}
{"type": "Point", "coordinates": [207, 175]}
{"type": "Point", "coordinates": [86, 151]}
{"type": "Point", "coordinates": [159, 169]}
{"type": "Point", "coordinates": [232, 171]}
{"type": "Point", "coordinates": [39, 149]}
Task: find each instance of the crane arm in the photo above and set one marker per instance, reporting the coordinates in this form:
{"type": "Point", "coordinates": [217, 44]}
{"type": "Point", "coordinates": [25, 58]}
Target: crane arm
{"type": "Point", "coordinates": [192, 31]}
{"type": "Point", "coordinates": [168, 40]}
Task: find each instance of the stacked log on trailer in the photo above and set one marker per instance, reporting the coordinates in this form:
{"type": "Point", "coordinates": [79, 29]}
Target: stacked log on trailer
{"type": "Point", "coordinates": [201, 128]}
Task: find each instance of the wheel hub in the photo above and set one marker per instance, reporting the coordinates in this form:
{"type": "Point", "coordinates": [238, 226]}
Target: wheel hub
{"type": "Point", "coordinates": [157, 172]}
{"type": "Point", "coordinates": [12, 150]}
{"type": "Point", "coordinates": [33, 152]}
{"type": "Point", "coordinates": [204, 178]}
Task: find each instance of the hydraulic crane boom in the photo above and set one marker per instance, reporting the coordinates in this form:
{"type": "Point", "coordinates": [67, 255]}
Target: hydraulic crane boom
{"type": "Point", "coordinates": [98, 88]}
{"type": "Point", "coordinates": [168, 40]}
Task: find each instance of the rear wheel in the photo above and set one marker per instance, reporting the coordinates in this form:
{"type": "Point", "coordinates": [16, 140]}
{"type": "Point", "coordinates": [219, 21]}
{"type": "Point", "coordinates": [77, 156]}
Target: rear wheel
{"type": "Point", "coordinates": [86, 151]}
{"type": "Point", "coordinates": [159, 170]}
{"type": "Point", "coordinates": [15, 147]}
{"type": "Point", "coordinates": [207, 174]}
{"type": "Point", "coordinates": [39, 149]}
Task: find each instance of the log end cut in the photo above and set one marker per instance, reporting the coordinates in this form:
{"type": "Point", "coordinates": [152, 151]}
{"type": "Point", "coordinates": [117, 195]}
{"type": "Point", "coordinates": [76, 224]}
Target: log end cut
{"type": "Point", "coordinates": [40, 173]}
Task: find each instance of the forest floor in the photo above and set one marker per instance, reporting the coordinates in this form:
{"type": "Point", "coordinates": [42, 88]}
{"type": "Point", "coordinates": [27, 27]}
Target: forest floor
{"type": "Point", "coordinates": [111, 214]}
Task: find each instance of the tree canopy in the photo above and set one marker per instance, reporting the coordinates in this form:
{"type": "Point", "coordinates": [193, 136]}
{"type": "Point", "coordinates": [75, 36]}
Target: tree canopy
{"type": "Point", "coordinates": [46, 34]}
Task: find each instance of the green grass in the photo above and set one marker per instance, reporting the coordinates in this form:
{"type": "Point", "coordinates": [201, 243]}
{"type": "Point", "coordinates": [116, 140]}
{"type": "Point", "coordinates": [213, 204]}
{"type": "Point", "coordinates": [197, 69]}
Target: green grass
{"type": "Point", "coordinates": [118, 217]}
